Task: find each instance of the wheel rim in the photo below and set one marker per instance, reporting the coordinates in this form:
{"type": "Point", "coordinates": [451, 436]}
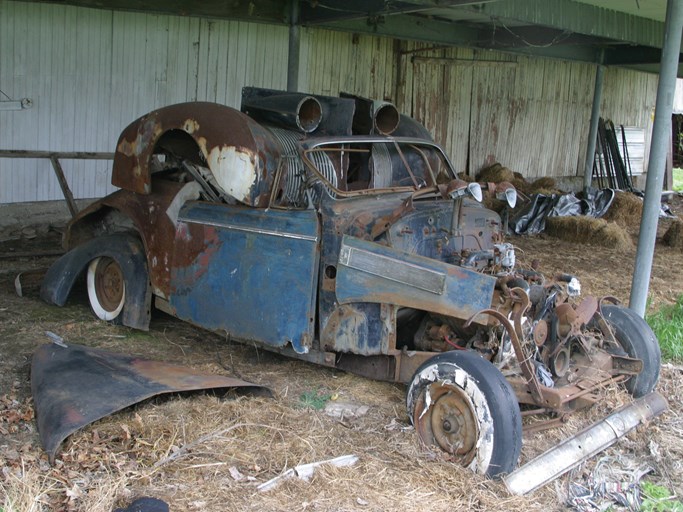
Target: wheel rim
{"type": "Point", "coordinates": [109, 284]}
{"type": "Point", "coordinates": [447, 420]}
{"type": "Point", "coordinates": [106, 287]}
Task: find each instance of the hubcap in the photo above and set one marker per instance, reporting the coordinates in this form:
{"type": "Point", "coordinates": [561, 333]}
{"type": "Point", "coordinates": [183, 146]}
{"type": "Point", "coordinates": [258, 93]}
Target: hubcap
{"type": "Point", "coordinates": [109, 284]}
{"type": "Point", "coordinates": [450, 423]}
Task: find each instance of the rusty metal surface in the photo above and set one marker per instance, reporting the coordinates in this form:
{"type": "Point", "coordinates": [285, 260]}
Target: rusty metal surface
{"type": "Point", "coordinates": [336, 114]}
{"type": "Point", "coordinates": [76, 385]}
{"type": "Point", "coordinates": [232, 145]}
{"type": "Point", "coordinates": [264, 262]}
{"type": "Point", "coordinates": [444, 417]}
{"type": "Point", "coordinates": [388, 276]}
{"type": "Point", "coordinates": [154, 219]}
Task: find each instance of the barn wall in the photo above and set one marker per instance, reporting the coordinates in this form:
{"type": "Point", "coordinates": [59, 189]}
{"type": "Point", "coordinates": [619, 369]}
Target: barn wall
{"type": "Point", "coordinates": [530, 114]}
{"type": "Point", "coordinates": [91, 72]}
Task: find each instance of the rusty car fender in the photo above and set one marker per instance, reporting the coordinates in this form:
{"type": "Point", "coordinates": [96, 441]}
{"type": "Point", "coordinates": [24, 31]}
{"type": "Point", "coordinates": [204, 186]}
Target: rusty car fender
{"type": "Point", "coordinates": [239, 152]}
{"type": "Point", "coordinates": [127, 250]}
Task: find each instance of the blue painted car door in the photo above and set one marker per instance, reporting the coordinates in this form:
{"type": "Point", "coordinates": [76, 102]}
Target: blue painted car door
{"type": "Point", "coordinates": [255, 276]}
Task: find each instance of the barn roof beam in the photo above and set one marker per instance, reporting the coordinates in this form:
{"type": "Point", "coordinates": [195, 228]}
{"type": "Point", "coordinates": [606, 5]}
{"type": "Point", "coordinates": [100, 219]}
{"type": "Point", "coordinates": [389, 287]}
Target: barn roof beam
{"type": "Point", "coordinates": [575, 17]}
{"type": "Point", "coordinates": [328, 11]}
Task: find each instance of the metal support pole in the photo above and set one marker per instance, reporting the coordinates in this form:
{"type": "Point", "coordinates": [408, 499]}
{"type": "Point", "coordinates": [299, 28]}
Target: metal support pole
{"type": "Point", "coordinates": [294, 46]}
{"type": "Point", "coordinates": [658, 150]}
{"type": "Point", "coordinates": [593, 132]}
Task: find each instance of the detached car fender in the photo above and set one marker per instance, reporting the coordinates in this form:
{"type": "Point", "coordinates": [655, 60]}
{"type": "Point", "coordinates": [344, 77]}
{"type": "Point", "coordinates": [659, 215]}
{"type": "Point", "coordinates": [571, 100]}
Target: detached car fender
{"type": "Point", "coordinates": [127, 250]}
{"type": "Point", "coordinates": [371, 272]}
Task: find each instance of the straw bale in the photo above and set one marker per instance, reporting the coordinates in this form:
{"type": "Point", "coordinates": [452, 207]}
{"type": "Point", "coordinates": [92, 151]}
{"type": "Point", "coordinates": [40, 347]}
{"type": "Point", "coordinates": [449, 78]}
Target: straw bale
{"type": "Point", "coordinates": [495, 173]}
{"type": "Point", "coordinates": [546, 191]}
{"type": "Point", "coordinates": [674, 235]}
{"type": "Point", "coordinates": [522, 185]}
{"type": "Point", "coordinates": [626, 210]}
{"type": "Point", "coordinates": [545, 185]}
{"type": "Point", "coordinates": [588, 230]}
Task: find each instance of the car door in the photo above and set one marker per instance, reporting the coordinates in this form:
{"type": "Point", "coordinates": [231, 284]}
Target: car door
{"type": "Point", "coordinates": [255, 275]}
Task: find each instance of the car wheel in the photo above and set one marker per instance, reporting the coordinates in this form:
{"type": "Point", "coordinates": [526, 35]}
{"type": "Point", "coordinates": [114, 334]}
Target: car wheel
{"type": "Point", "coordinates": [462, 404]}
{"type": "Point", "coordinates": [638, 341]}
{"type": "Point", "coordinates": [106, 288]}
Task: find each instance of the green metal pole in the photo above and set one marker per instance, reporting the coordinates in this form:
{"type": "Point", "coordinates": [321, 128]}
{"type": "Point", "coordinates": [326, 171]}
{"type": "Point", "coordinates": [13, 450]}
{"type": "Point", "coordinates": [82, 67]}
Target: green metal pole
{"type": "Point", "coordinates": [593, 133]}
{"type": "Point", "coordinates": [294, 46]}
{"type": "Point", "coordinates": [658, 151]}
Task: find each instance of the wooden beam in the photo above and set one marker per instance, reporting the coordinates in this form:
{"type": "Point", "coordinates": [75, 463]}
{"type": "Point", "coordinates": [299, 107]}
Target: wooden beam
{"type": "Point", "coordinates": [64, 186]}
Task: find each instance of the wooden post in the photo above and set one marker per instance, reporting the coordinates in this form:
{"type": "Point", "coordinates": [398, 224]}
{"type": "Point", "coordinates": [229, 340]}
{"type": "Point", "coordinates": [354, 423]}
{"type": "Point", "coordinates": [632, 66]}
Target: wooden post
{"type": "Point", "coordinates": [64, 185]}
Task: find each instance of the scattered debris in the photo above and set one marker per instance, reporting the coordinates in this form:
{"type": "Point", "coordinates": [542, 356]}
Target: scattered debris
{"type": "Point", "coordinates": [305, 471]}
{"type": "Point", "coordinates": [614, 481]}
{"type": "Point", "coordinates": [56, 339]}
{"type": "Point", "coordinates": [584, 445]}
{"type": "Point", "coordinates": [346, 410]}
{"type": "Point", "coordinates": [145, 505]}
{"type": "Point", "coordinates": [30, 278]}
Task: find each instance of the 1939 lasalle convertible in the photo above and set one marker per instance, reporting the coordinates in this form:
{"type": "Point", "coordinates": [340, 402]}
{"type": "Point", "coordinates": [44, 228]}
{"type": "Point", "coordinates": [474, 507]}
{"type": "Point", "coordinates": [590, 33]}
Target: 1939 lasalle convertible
{"type": "Point", "coordinates": [336, 231]}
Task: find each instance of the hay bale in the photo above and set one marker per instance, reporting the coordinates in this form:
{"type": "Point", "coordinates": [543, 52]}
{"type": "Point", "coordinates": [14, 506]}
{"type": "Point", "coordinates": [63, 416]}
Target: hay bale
{"type": "Point", "coordinates": [494, 204]}
{"type": "Point", "coordinates": [543, 184]}
{"type": "Point", "coordinates": [522, 185]}
{"type": "Point", "coordinates": [588, 230]}
{"type": "Point", "coordinates": [546, 191]}
{"type": "Point", "coordinates": [626, 210]}
{"type": "Point", "coordinates": [674, 235]}
{"type": "Point", "coordinates": [465, 177]}
{"type": "Point", "coordinates": [495, 173]}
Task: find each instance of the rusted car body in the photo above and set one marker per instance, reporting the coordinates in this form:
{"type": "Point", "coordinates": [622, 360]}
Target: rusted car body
{"type": "Point", "coordinates": [334, 230]}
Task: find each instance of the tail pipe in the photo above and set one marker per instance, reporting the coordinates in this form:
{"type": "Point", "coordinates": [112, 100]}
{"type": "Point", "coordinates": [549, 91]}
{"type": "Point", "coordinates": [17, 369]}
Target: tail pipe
{"type": "Point", "coordinates": [584, 445]}
{"type": "Point", "coordinates": [294, 111]}
{"type": "Point", "coordinates": [373, 116]}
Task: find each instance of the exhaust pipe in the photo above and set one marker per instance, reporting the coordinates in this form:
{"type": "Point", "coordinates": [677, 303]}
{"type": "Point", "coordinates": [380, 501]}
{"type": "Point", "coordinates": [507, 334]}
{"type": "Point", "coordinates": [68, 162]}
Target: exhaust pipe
{"type": "Point", "coordinates": [294, 111]}
{"type": "Point", "coordinates": [584, 445]}
{"type": "Point", "coordinates": [373, 116]}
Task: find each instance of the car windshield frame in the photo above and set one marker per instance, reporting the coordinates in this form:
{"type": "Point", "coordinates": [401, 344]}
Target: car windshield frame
{"type": "Point", "coordinates": [323, 145]}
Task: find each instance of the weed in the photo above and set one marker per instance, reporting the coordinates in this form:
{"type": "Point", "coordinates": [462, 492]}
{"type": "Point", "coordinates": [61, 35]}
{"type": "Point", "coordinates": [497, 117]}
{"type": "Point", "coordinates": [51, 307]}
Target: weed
{"type": "Point", "coordinates": [658, 499]}
{"type": "Point", "coordinates": [667, 324]}
{"type": "Point", "coordinates": [678, 179]}
{"type": "Point", "coordinates": [314, 399]}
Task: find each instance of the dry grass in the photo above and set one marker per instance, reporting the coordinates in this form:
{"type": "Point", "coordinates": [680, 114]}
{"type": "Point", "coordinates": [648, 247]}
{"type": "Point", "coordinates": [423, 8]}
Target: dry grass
{"type": "Point", "coordinates": [495, 173]}
{"type": "Point", "coordinates": [626, 210]}
{"type": "Point", "coordinates": [588, 230]}
{"type": "Point", "coordinates": [543, 185]}
{"type": "Point", "coordinates": [209, 453]}
{"type": "Point", "coordinates": [522, 185]}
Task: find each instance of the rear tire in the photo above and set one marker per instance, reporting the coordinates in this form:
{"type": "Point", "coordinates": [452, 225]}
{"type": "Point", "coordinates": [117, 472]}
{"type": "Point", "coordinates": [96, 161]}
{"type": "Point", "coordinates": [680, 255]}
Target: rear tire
{"type": "Point", "coordinates": [638, 341]}
{"type": "Point", "coordinates": [106, 288]}
{"type": "Point", "coordinates": [462, 404]}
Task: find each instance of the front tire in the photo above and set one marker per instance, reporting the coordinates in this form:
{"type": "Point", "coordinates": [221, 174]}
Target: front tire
{"type": "Point", "coordinates": [638, 341]}
{"type": "Point", "coordinates": [106, 288]}
{"type": "Point", "coordinates": [462, 404]}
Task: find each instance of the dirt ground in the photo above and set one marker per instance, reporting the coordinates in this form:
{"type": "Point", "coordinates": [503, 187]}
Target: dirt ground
{"type": "Point", "coordinates": [204, 452]}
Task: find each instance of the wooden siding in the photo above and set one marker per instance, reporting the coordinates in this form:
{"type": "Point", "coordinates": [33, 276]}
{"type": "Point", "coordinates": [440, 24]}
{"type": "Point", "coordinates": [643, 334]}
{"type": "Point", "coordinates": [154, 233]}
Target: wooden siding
{"type": "Point", "coordinates": [91, 72]}
{"type": "Point", "coordinates": [531, 115]}
{"type": "Point", "coordinates": [334, 62]}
